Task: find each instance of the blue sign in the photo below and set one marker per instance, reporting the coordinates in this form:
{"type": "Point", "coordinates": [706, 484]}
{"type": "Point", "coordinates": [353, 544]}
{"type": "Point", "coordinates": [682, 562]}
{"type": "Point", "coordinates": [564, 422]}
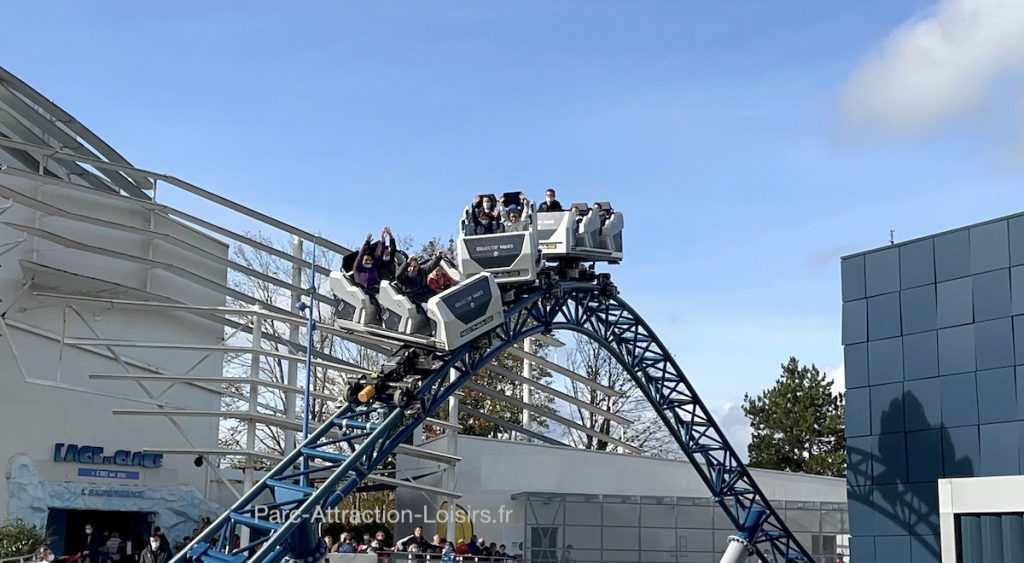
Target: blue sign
{"type": "Point", "coordinates": [73, 453]}
{"type": "Point", "coordinates": [107, 473]}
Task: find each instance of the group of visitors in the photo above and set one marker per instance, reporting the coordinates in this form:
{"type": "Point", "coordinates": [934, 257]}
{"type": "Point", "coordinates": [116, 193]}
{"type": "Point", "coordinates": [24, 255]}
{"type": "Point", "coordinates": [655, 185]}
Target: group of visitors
{"type": "Point", "coordinates": [352, 542]}
{"type": "Point", "coordinates": [107, 547]}
{"type": "Point", "coordinates": [417, 547]}
{"type": "Point", "coordinates": [479, 550]}
{"type": "Point", "coordinates": [490, 216]}
{"type": "Point", "coordinates": [376, 262]}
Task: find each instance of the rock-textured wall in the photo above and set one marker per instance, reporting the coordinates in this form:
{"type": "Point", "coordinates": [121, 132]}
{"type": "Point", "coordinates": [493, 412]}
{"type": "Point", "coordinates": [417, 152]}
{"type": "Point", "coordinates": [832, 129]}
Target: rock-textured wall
{"type": "Point", "coordinates": [177, 509]}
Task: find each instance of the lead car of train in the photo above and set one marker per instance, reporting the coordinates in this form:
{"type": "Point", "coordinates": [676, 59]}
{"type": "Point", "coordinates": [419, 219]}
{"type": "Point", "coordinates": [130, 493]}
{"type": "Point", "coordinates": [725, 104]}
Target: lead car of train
{"type": "Point", "coordinates": [491, 269]}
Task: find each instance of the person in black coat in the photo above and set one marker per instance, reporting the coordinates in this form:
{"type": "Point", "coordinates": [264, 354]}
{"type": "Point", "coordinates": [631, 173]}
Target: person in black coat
{"type": "Point", "coordinates": [165, 544]}
{"type": "Point", "coordinates": [486, 215]}
{"type": "Point", "coordinates": [487, 205]}
{"type": "Point", "coordinates": [365, 271]}
{"type": "Point", "coordinates": [153, 552]}
{"type": "Point", "coordinates": [412, 280]}
{"type": "Point", "coordinates": [550, 203]}
{"type": "Point", "coordinates": [484, 224]}
{"type": "Point", "coordinates": [386, 270]}
{"type": "Point", "coordinates": [90, 545]}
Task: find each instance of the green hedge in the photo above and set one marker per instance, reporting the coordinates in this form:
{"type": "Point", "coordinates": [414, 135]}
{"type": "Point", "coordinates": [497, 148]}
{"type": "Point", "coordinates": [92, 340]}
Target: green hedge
{"type": "Point", "coordinates": [19, 538]}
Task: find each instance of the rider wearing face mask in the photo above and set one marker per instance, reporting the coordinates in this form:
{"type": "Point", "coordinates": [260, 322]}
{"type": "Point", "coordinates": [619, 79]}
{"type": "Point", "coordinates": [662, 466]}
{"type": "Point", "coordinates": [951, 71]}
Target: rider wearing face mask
{"type": "Point", "coordinates": [365, 270]}
{"type": "Point", "coordinates": [153, 553]}
{"type": "Point", "coordinates": [487, 205]}
{"type": "Point", "coordinates": [90, 546]}
{"type": "Point", "coordinates": [412, 280]}
{"type": "Point", "coordinates": [550, 203]}
{"type": "Point", "coordinates": [486, 215]}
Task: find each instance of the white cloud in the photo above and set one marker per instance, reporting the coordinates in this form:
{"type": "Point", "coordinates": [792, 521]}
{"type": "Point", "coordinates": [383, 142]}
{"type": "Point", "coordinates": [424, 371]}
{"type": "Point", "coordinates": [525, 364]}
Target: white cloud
{"type": "Point", "coordinates": [838, 377]}
{"type": "Point", "coordinates": [944, 65]}
{"type": "Point", "coordinates": [736, 427]}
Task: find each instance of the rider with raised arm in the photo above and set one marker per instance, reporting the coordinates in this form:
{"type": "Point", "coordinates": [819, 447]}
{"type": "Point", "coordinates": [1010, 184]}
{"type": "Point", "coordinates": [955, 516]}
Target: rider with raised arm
{"type": "Point", "coordinates": [387, 268]}
{"type": "Point", "coordinates": [412, 280]}
{"type": "Point", "coordinates": [513, 222]}
{"type": "Point", "coordinates": [513, 209]}
{"type": "Point", "coordinates": [487, 205]}
{"type": "Point", "coordinates": [365, 272]}
{"type": "Point", "coordinates": [439, 281]}
{"type": "Point", "coordinates": [486, 215]}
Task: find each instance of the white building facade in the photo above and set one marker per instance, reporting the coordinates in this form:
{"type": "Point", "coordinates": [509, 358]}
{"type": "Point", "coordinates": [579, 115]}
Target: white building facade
{"type": "Point", "coordinates": [540, 499]}
{"type": "Point", "coordinates": [69, 456]}
{"type": "Point", "coordinates": [82, 441]}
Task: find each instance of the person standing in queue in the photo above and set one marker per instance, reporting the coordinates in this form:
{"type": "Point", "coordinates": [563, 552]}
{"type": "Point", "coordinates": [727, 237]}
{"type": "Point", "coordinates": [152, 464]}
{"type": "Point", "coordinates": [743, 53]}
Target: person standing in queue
{"type": "Point", "coordinates": [153, 553]}
{"type": "Point", "coordinates": [90, 545]}
{"type": "Point", "coordinates": [165, 545]}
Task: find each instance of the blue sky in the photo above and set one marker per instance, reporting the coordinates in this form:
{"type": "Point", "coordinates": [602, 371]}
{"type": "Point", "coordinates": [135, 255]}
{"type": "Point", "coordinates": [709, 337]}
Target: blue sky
{"type": "Point", "coordinates": [731, 135]}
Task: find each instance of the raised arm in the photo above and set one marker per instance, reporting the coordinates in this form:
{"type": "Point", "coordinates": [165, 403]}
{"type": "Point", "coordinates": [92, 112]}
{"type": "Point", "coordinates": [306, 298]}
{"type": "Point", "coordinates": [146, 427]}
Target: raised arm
{"type": "Point", "coordinates": [363, 250]}
{"type": "Point", "coordinates": [434, 262]}
{"type": "Point", "coordinates": [400, 545]}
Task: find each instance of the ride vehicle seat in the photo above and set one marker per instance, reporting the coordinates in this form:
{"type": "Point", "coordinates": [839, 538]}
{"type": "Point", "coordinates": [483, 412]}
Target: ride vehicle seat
{"type": "Point", "coordinates": [398, 312]}
{"type": "Point", "coordinates": [510, 199]}
{"type": "Point", "coordinates": [603, 210]}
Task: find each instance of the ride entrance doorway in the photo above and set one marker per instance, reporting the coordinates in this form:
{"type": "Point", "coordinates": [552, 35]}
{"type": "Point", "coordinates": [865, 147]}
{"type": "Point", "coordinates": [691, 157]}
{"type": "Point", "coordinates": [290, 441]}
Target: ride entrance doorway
{"type": "Point", "coordinates": [67, 528]}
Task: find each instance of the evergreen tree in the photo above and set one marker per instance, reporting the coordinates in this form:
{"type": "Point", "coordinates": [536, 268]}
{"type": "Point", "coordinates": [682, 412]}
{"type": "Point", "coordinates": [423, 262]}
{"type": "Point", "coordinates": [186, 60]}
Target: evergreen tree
{"type": "Point", "coordinates": [798, 423]}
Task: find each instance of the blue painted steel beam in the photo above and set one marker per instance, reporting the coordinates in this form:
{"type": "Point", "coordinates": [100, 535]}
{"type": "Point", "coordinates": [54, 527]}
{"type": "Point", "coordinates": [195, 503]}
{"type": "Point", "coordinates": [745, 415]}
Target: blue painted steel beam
{"type": "Point", "coordinates": [359, 438]}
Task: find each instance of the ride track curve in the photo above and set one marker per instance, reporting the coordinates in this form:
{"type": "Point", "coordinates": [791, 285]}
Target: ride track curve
{"type": "Point", "coordinates": [342, 452]}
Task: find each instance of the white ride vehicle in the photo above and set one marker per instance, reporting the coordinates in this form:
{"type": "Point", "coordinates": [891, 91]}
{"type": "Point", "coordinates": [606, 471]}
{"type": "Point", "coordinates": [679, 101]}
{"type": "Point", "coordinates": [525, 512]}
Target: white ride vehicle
{"type": "Point", "coordinates": [582, 233]}
{"type": "Point", "coordinates": [502, 244]}
{"type": "Point", "coordinates": [471, 308]}
{"type": "Point", "coordinates": [505, 245]}
{"type": "Point", "coordinates": [398, 311]}
{"type": "Point", "coordinates": [464, 312]}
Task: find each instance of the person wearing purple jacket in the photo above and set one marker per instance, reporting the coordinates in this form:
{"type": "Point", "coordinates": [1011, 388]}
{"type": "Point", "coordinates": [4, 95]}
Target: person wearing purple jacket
{"type": "Point", "coordinates": [365, 271]}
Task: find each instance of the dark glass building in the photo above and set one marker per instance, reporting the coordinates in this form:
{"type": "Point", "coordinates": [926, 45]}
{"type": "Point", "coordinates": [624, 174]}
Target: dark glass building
{"type": "Point", "coordinates": [933, 336]}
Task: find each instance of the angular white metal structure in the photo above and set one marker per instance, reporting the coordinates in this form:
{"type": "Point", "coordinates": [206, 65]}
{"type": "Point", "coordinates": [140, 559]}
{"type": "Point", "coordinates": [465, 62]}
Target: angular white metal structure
{"type": "Point", "coordinates": [112, 297]}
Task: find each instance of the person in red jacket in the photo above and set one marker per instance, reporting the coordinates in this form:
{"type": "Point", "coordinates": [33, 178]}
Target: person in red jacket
{"type": "Point", "coordinates": [439, 281]}
{"type": "Point", "coordinates": [461, 548]}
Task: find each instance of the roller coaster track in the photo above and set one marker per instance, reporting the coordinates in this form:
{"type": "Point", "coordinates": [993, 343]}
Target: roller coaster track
{"type": "Point", "coordinates": [339, 455]}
